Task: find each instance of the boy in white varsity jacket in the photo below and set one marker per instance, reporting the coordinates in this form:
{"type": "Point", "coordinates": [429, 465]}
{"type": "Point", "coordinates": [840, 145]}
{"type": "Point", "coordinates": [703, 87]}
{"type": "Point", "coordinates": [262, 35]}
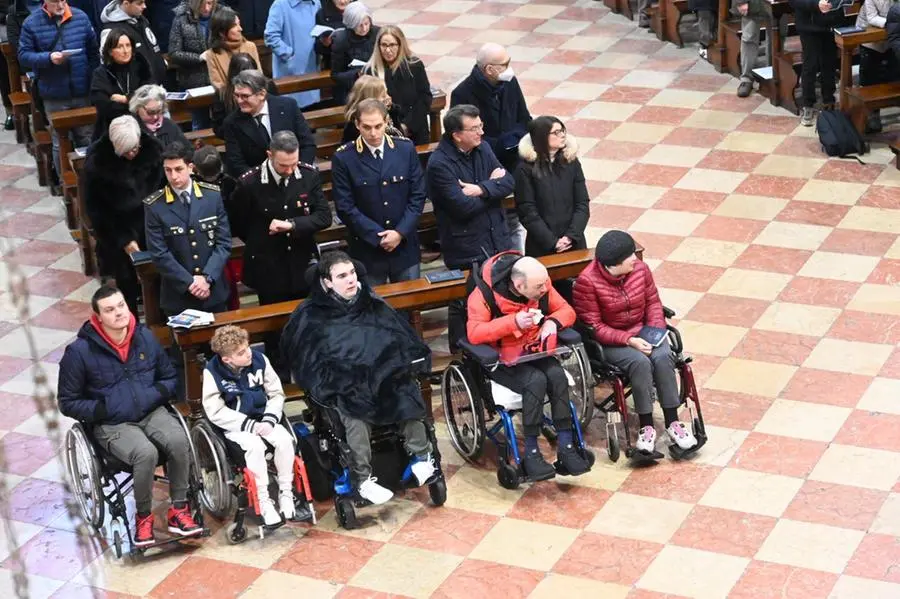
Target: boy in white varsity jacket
{"type": "Point", "coordinates": [243, 396]}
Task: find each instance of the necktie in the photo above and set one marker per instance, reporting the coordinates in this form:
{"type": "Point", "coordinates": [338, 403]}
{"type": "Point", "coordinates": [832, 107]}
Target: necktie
{"type": "Point", "coordinates": [185, 198]}
{"type": "Point", "coordinates": [378, 154]}
{"type": "Point", "coordinates": [262, 127]}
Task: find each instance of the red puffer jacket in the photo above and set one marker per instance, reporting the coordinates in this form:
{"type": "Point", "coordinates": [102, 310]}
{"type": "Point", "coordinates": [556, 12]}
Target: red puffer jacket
{"type": "Point", "coordinates": [617, 307]}
{"type": "Point", "coordinates": [503, 333]}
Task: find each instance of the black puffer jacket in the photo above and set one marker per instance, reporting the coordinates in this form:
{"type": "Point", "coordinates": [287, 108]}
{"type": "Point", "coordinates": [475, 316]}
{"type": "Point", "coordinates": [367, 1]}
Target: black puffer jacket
{"type": "Point", "coordinates": [809, 19]}
{"type": "Point", "coordinates": [346, 47]}
{"type": "Point", "coordinates": [330, 16]}
{"type": "Point", "coordinates": [113, 79]}
{"type": "Point", "coordinates": [552, 204]}
{"type": "Point", "coordinates": [186, 44]}
{"type": "Point", "coordinates": [357, 357]}
{"type": "Point", "coordinates": [115, 188]}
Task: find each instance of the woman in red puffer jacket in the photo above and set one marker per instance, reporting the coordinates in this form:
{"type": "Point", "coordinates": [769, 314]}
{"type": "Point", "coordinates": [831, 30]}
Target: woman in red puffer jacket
{"type": "Point", "coordinates": [616, 296]}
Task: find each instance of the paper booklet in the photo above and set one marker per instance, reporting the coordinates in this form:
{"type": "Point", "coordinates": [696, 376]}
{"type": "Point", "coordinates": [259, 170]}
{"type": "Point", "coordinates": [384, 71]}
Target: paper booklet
{"type": "Point", "coordinates": [319, 30]}
{"type": "Point", "coordinates": [190, 319]}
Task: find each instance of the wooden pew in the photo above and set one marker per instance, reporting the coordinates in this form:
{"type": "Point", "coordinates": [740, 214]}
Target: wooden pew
{"type": "Point", "coordinates": [858, 101]}
{"type": "Point", "coordinates": [410, 296]}
{"type": "Point", "coordinates": [665, 20]}
{"type": "Point", "coordinates": [20, 100]}
{"type": "Point", "coordinates": [622, 7]}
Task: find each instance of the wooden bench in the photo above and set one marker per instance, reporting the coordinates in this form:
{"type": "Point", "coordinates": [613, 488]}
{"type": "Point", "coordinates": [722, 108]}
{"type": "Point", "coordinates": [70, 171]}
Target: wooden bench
{"type": "Point", "coordinates": [665, 20]}
{"type": "Point", "coordinates": [20, 100]}
{"type": "Point", "coordinates": [411, 296]}
{"type": "Point", "coordinates": [859, 101]}
{"type": "Point", "coordinates": [622, 7]}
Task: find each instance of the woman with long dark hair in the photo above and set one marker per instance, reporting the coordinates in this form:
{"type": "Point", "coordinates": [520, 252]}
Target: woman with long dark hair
{"type": "Point", "coordinates": [551, 195]}
{"type": "Point", "coordinates": [226, 38]}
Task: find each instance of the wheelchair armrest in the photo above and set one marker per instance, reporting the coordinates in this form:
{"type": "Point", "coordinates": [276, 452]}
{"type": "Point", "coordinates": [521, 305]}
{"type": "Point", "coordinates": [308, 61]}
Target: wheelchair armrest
{"type": "Point", "coordinates": [668, 312]}
{"type": "Point", "coordinates": [568, 336]}
{"type": "Point", "coordinates": [675, 339]}
{"type": "Point", "coordinates": [485, 354]}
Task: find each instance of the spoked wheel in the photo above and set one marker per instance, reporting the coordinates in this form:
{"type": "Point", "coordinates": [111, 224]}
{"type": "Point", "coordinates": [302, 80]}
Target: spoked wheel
{"type": "Point", "coordinates": [82, 466]}
{"type": "Point", "coordinates": [213, 469]}
{"type": "Point", "coordinates": [463, 412]}
{"type": "Point", "coordinates": [581, 384]}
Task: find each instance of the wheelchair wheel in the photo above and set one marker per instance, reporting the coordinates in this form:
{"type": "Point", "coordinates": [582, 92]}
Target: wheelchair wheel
{"type": "Point", "coordinates": [235, 534]}
{"type": "Point", "coordinates": [508, 477]}
{"type": "Point", "coordinates": [612, 448]}
{"type": "Point", "coordinates": [82, 466]}
{"type": "Point", "coordinates": [346, 513]}
{"type": "Point", "coordinates": [214, 469]}
{"type": "Point", "coordinates": [582, 394]}
{"type": "Point", "coordinates": [117, 544]}
{"type": "Point", "coordinates": [438, 492]}
{"type": "Point", "coordinates": [463, 412]}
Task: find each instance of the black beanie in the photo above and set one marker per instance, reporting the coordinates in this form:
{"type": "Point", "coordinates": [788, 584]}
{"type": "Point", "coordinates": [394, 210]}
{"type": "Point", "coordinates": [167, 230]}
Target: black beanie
{"type": "Point", "coordinates": [614, 247]}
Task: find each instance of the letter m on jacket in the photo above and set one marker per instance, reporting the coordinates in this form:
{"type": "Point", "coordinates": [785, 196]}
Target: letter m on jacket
{"type": "Point", "coordinates": [255, 379]}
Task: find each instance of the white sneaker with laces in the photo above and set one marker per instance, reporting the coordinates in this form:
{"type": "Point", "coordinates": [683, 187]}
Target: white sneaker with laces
{"type": "Point", "coordinates": [270, 515]}
{"type": "Point", "coordinates": [681, 435]}
{"type": "Point", "coordinates": [423, 470]}
{"type": "Point", "coordinates": [646, 441]}
{"type": "Point", "coordinates": [374, 493]}
{"type": "Point", "coordinates": [286, 504]}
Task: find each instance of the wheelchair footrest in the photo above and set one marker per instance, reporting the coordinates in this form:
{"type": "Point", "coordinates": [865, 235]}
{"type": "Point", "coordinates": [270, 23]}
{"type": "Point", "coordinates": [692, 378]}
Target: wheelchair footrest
{"type": "Point", "coordinates": [644, 456]}
{"type": "Point", "coordinates": [162, 542]}
{"type": "Point", "coordinates": [678, 453]}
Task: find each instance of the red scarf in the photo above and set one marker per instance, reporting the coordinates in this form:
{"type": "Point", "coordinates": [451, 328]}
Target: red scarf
{"type": "Point", "coordinates": [120, 348]}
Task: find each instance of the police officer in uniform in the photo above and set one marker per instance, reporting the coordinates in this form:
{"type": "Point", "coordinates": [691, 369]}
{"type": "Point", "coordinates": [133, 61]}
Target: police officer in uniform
{"type": "Point", "coordinates": [188, 237]}
{"type": "Point", "coordinates": [379, 193]}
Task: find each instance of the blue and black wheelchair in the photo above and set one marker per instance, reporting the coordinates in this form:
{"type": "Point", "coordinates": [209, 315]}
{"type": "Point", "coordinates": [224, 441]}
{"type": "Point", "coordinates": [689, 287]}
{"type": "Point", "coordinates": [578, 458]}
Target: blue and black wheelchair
{"type": "Point", "coordinates": [471, 400]}
{"type": "Point", "coordinates": [101, 482]}
{"type": "Point", "coordinates": [327, 456]}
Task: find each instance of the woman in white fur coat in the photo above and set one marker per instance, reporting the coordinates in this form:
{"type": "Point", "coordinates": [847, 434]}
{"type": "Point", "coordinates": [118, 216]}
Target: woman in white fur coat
{"type": "Point", "coordinates": [551, 196]}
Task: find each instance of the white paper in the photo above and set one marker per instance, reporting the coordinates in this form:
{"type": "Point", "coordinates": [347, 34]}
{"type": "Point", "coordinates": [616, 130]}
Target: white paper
{"type": "Point", "coordinates": [319, 30]}
{"type": "Point", "coordinates": [357, 63]}
{"type": "Point", "coordinates": [176, 95]}
{"type": "Point", "coordinates": [196, 92]}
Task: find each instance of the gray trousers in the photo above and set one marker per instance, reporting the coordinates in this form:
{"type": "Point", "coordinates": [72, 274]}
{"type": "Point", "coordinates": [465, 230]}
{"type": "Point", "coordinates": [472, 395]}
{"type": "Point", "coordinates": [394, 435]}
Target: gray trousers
{"type": "Point", "coordinates": [139, 444]}
{"type": "Point", "coordinates": [707, 23]}
{"type": "Point", "coordinates": [642, 7]}
{"type": "Point", "coordinates": [517, 232]}
{"type": "Point", "coordinates": [644, 371]}
{"type": "Point", "coordinates": [357, 433]}
{"type": "Point", "coordinates": [749, 46]}
{"type": "Point", "coordinates": [82, 135]}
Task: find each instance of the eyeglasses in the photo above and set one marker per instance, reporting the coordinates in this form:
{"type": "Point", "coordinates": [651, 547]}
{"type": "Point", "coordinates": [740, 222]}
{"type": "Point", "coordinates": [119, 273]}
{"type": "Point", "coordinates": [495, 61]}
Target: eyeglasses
{"type": "Point", "coordinates": [559, 133]}
{"type": "Point", "coordinates": [475, 128]}
{"type": "Point", "coordinates": [388, 46]}
{"type": "Point", "coordinates": [238, 96]}
{"type": "Point", "coordinates": [156, 112]}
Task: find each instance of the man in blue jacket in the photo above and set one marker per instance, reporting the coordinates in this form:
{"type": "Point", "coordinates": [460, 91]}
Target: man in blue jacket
{"type": "Point", "coordinates": [379, 193]}
{"type": "Point", "coordinates": [116, 378]}
{"type": "Point", "coordinates": [467, 185]}
{"type": "Point", "coordinates": [58, 44]}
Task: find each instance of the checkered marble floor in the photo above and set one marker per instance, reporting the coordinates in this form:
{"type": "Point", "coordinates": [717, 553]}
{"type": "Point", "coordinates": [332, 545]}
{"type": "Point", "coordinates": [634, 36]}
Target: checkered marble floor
{"type": "Point", "coordinates": [782, 265]}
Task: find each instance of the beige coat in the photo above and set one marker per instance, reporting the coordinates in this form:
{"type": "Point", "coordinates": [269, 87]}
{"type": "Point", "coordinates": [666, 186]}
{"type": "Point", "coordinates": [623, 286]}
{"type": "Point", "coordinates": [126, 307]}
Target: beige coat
{"type": "Point", "coordinates": [217, 63]}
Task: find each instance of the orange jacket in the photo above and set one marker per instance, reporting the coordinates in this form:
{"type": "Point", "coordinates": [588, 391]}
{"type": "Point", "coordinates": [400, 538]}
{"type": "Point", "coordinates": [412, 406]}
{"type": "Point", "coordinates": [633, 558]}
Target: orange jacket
{"type": "Point", "coordinates": [503, 333]}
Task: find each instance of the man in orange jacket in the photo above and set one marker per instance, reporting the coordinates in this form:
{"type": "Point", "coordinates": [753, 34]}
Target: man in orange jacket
{"type": "Point", "coordinates": [515, 309]}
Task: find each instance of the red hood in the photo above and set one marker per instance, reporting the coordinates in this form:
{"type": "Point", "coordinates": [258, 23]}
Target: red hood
{"type": "Point", "coordinates": [121, 349]}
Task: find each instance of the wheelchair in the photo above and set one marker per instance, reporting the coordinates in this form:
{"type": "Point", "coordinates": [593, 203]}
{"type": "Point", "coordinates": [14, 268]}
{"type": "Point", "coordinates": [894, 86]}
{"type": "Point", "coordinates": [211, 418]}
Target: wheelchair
{"type": "Point", "coordinates": [324, 448]}
{"type": "Point", "coordinates": [227, 481]}
{"type": "Point", "coordinates": [615, 406]}
{"type": "Point", "coordinates": [471, 400]}
{"type": "Point", "coordinates": [100, 481]}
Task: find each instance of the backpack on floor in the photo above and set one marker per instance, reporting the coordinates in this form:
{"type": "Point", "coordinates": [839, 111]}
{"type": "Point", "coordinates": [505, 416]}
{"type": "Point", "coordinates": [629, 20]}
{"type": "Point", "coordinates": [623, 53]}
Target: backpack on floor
{"type": "Point", "coordinates": [838, 136]}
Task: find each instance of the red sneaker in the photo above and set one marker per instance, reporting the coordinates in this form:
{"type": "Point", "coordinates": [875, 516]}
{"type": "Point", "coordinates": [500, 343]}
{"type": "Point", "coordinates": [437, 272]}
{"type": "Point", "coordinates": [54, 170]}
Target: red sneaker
{"type": "Point", "coordinates": [182, 523]}
{"type": "Point", "coordinates": [143, 534]}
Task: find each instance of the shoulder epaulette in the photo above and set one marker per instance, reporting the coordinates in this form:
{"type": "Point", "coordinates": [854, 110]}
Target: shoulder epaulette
{"type": "Point", "coordinates": [154, 196]}
{"type": "Point", "coordinates": [253, 171]}
{"type": "Point", "coordinates": [206, 185]}
{"type": "Point", "coordinates": [343, 147]}
{"type": "Point", "coordinates": [311, 167]}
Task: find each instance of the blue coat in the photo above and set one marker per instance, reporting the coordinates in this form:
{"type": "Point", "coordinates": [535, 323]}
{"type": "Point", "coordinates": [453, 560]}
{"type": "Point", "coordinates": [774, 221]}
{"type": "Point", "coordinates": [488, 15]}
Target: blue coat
{"type": "Point", "coordinates": [468, 226]}
{"type": "Point", "coordinates": [72, 78]}
{"type": "Point", "coordinates": [372, 196]}
{"type": "Point", "coordinates": [293, 48]}
{"type": "Point", "coordinates": [184, 242]}
{"type": "Point", "coordinates": [95, 386]}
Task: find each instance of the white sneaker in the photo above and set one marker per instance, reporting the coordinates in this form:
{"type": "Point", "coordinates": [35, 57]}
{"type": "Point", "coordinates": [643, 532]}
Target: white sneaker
{"type": "Point", "coordinates": [286, 504]}
{"type": "Point", "coordinates": [374, 493]}
{"type": "Point", "coordinates": [270, 515]}
{"type": "Point", "coordinates": [646, 441]}
{"type": "Point", "coordinates": [423, 470]}
{"type": "Point", "coordinates": [681, 435]}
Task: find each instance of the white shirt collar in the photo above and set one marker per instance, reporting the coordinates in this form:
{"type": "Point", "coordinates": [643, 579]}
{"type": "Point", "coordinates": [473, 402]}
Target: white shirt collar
{"type": "Point", "coordinates": [373, 148]}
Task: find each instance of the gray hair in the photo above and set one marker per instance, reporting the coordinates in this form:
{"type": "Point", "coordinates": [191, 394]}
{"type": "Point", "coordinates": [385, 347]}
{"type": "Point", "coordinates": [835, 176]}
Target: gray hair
{"type": "Point", "coordinates": [487, 53]}
{"type": "Point", "coordinates": [146, 94]}
{"type": "Point", "coordinates": [355, 14]}
{"type": "Point", "coordinates": [453, 120]}
{"type": "Point", "coordinates": [252, 78]}
{"type": "Point", "coordinates": [284, 141]}
{"type": "Point", "coordinates": [124, 134]}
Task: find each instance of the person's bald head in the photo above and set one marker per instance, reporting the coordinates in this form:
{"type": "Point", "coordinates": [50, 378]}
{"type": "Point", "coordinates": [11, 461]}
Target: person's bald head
{"type": "Point", "coordinates": [529, 278]}
{"type": "Point", "coordinates": [492, 59]}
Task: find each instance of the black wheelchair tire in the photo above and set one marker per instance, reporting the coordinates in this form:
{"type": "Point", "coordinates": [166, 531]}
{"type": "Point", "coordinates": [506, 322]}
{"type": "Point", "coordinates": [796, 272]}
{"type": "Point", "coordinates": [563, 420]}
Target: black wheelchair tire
{"type": "Point", "coordinates": [477, 406]}
{"type": "Point", "coordinates": [219, 512]}
{"type": "Point", "coordinates": [612, 448]}
{"type": "Point", "coordinates": [508, 477]}
{"type": "Point", "coordinates": [345, 512]}
{"type": "Point", "coordinates": [438, 492]}
{"type": "Point", "coordinates": [117, 544]}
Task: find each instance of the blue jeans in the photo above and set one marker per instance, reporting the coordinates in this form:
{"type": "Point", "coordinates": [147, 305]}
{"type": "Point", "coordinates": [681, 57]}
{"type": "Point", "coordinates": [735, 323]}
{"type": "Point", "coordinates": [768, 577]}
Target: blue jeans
{"type": "Point", "coordinates": [380, 272]}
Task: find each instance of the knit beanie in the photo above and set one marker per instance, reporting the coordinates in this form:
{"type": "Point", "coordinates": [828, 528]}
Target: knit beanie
{"type": "Point", "coordinates": [614, 247]}
{"type": "Point", "coordinates": [124, 134]}
{"type": "Point", "coordinates": [355, 14]}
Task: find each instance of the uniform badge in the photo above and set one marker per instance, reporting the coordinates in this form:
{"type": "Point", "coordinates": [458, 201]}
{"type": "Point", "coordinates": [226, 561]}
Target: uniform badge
{"type": "Point", "coordinates": [141, 356]}
{"type": "Point", "coordinates": [211, 234]}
